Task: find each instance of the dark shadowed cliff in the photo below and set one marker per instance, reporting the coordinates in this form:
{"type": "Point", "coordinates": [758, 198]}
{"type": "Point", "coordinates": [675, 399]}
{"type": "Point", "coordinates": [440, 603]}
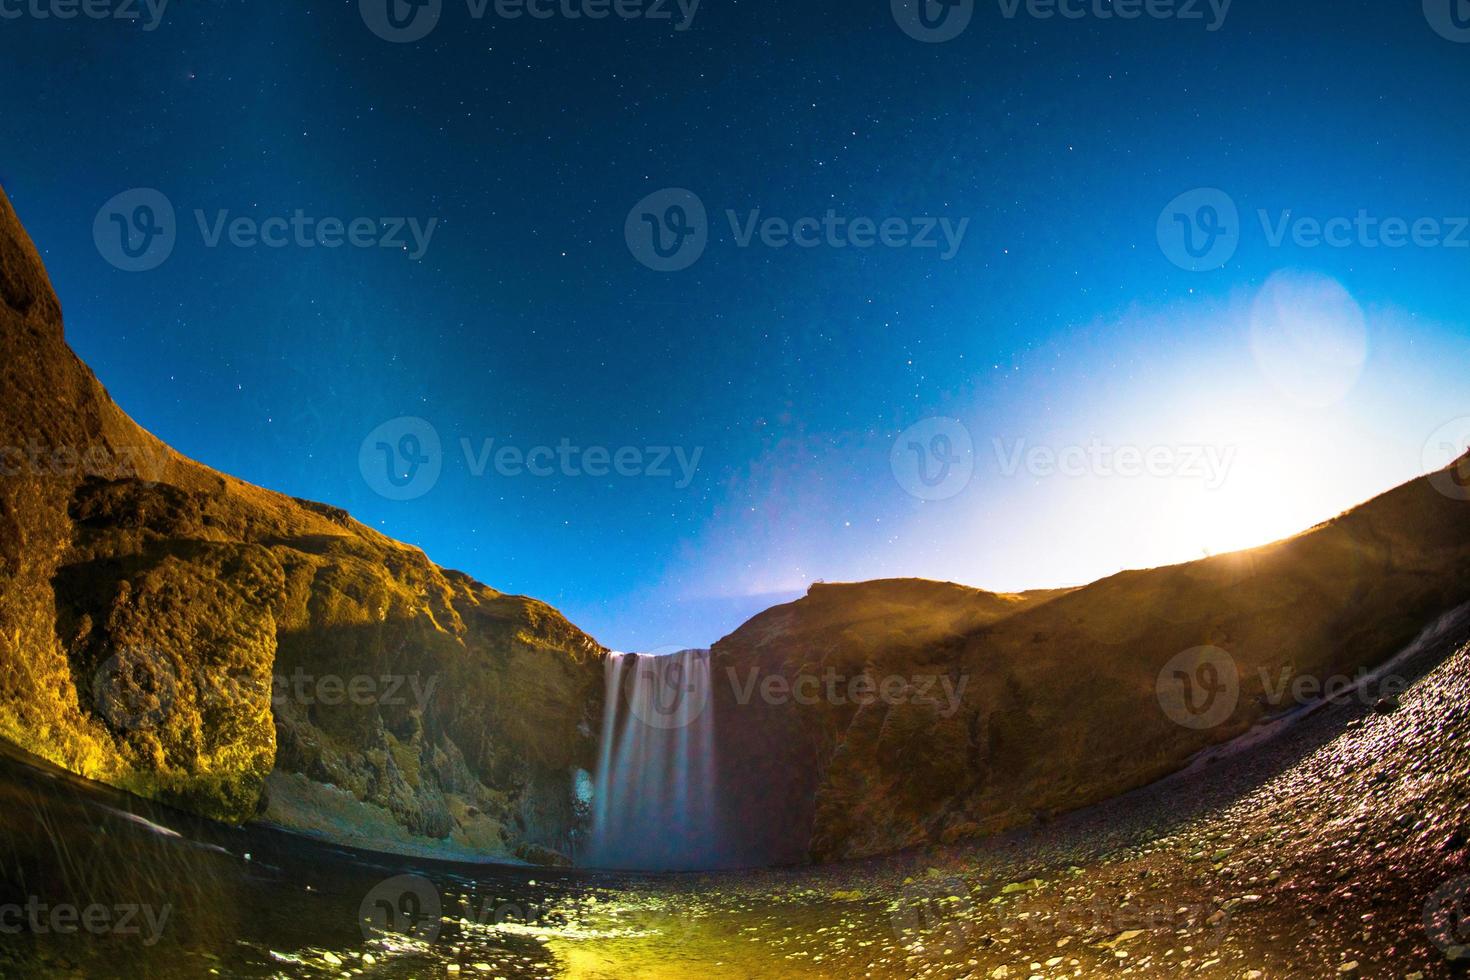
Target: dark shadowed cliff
{"type": "Point", "coordinates": [184, 635]}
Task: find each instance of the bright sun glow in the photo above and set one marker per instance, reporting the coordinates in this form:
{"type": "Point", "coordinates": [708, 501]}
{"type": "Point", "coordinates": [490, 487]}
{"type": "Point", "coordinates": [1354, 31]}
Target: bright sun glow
{"type": "Point", "coordinates": [1256, 506]}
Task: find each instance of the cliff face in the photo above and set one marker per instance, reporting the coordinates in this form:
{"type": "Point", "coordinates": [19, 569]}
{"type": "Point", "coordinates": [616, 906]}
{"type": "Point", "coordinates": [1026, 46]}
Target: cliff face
{"type": "Point", "coordinates": [788, 698]}
{"type": "Point", "coordinates": [1002, 710]}
{"type": "Point", "coordinates": [189, 637]}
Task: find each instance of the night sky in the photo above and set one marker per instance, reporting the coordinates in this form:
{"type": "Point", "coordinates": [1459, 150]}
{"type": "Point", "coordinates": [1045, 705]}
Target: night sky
{"type": "Point", "coordinates": [1321, 373]}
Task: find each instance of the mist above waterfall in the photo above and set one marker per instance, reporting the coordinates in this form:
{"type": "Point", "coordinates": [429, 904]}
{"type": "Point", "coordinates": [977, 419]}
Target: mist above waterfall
{"type": "Point", "coordinates": [654, 802]}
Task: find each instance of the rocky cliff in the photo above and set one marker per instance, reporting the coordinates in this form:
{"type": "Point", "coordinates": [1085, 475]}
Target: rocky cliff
{"type": "Point", "coordinates": [194, 639]}
{"type": "Point", "coordinates": [1003, 710]}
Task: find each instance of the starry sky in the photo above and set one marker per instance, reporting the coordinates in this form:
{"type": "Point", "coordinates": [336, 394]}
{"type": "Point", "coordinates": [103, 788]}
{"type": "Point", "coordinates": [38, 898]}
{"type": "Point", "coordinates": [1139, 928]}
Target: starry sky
{"type": "Point", "coordinates": [1065, 318]}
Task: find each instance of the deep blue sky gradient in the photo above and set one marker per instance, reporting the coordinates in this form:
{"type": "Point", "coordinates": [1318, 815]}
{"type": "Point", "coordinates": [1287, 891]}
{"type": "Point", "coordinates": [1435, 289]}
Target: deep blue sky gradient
{"type": "Point", "coordinates": [529, 320]}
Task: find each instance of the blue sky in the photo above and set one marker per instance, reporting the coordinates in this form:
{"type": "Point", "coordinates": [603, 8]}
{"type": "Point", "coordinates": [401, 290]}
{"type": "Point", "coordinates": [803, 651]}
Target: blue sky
{"type": "Point", "coordinates": [1314, 376]}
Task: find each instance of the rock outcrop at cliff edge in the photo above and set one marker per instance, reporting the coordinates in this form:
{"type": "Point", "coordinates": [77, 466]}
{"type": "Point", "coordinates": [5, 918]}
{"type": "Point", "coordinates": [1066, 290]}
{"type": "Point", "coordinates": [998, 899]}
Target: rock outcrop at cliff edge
{"type": "Point", "coordinates": [1067, 698]}
{"type": "Point", "coordinates": [186, 636]}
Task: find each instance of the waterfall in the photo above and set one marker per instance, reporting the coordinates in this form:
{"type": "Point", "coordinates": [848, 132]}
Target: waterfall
{"type": "Point", "coordinates": [654, 806]}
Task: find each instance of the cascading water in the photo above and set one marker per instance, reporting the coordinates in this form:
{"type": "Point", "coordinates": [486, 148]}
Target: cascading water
{"type": "Point", "coordinates": [654, 805]}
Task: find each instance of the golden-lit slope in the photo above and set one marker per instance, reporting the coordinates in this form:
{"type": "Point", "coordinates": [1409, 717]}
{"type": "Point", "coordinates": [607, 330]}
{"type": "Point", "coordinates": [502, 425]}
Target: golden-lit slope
{"type": "Point", "coordinates": [149, 606]}
{"type": "Point", "coordinates": [1006, 710]}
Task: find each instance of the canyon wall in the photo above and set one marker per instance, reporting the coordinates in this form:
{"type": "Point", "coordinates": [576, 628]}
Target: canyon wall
{"type": "Point", "coordinates": [192, 638]}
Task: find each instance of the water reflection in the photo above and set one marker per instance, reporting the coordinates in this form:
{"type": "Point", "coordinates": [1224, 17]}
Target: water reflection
{"type": "Point", "coordinates": [96, 883]}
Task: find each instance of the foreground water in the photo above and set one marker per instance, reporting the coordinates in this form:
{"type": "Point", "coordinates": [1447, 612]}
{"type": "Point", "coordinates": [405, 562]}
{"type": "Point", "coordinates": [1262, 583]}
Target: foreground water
{"type": "Point", "coordinates": [1339, 847]}
{"type": "Point", "coordinates": [96, 883]}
